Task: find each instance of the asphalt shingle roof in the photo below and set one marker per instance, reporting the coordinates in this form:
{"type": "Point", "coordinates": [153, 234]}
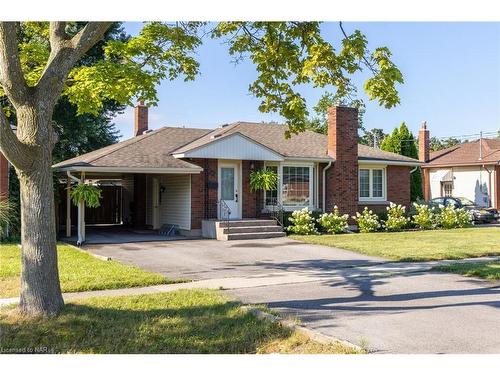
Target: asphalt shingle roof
{"type": "Point", "coordinates": [155, 149]}
{"type": "Point", "coordinates": [307, 144]}
{"type": "Point", "coordinates": [150, 150]}
{"type": "Point", "coordinates": [467, 153]}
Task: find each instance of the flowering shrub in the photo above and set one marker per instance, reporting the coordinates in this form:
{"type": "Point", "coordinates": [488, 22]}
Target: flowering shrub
{"type": "Point", "coordinates": [425, 217]}
{"type": "Point", "coordinates": [451, 217]}
{"type": "Point", "coordinates": [396, 217]}
{"type": "Point", "coordinates": [302, 222]}
{"type": "Point", "coordinates": [333, 223]}
{"type": "Point", "coordinates": [464, 218]}
{"type": "Point", "coordinates": [367, 221]}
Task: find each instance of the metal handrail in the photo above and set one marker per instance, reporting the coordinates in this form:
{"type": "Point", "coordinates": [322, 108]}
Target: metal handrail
{"type": "Point", "coordinates": [224, 213]}
{"type": "Point", "coordinates": [277, 212]}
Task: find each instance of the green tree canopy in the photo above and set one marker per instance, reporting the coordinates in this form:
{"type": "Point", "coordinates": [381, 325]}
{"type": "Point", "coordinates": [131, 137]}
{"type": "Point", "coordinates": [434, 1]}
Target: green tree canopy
{"type": "Point", "coordinates": [402, 142]}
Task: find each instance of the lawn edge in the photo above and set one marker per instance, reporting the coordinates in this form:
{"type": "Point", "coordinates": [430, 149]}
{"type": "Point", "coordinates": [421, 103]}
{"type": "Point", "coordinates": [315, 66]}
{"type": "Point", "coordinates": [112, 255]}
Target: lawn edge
{"type": "Point", "coordinates": [315, 336]}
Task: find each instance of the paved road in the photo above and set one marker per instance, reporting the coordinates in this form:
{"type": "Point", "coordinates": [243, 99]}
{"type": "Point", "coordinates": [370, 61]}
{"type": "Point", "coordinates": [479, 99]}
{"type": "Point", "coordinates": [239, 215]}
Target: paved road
{"type": "Point", "coordinates": [390, 307]}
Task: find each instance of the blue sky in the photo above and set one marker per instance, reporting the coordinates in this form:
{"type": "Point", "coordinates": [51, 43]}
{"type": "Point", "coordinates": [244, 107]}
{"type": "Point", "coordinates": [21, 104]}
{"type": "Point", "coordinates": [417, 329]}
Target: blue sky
{"type": "Point", "coordinates": [451, 72]}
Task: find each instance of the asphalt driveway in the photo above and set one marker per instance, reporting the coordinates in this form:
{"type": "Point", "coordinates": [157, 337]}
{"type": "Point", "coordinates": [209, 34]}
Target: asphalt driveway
{"type": "Point", "coordinates": [388, 307]}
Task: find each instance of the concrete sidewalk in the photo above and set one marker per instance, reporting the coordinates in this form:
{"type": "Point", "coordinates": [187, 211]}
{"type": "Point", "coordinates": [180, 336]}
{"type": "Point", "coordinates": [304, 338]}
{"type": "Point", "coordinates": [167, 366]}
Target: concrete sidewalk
{"type": "Point", "coordinates": [291, 276]}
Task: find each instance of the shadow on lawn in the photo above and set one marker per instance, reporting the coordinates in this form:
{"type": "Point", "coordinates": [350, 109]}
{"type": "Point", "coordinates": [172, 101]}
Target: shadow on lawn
{"type": "Point", "coordinates": [217, 328]}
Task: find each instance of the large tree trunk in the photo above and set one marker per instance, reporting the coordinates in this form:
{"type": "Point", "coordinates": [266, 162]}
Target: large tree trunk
{"type": "Point", "coordinates": [40, 288]}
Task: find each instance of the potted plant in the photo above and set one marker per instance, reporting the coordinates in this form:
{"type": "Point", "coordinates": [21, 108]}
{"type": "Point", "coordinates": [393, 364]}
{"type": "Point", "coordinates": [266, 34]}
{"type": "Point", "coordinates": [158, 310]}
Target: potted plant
{"type": "Point", "coordinates": [261, 180]}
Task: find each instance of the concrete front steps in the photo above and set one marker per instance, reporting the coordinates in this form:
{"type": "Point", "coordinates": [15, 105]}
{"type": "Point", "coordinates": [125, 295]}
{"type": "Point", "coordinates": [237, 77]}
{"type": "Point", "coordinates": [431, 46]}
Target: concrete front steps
{"type": "Point", "coordinates": [248, 229]}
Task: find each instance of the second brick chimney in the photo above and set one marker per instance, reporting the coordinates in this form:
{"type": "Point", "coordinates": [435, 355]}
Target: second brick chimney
{"type": "Point", "coordinates": [423, 143]}
{"type": "Point", "coordinates": [342, 177]}
{"type": "Point", "coordinates": [424, 155]}
{"type": "Point", "coordinates": [140, 119]}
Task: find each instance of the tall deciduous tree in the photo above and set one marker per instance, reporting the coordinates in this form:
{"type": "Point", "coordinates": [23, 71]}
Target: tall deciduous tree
{"type": "Point", "coordinates": [401, 141]}
{"type": "Point", "coordinates": [34, 75]}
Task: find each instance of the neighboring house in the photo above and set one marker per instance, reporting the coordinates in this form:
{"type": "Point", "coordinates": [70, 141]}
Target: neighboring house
{"type": "Point", "coordinates": [179, 176]}
{"type": "Point", "coordinates": [470, 170]}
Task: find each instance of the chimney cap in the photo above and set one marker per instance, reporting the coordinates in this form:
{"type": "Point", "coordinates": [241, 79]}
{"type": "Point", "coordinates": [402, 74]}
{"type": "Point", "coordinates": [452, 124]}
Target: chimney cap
{"type": "Point", "coordinates": [424, 125]}
{"type": "Point", "coordinates": [141, 103]}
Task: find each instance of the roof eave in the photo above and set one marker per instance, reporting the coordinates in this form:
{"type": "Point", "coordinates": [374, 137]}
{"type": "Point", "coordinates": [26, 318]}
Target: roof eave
{"type": "Point", "coordinates": [415, 163]}
{"type": "Point", "coordinates": [152, 170]}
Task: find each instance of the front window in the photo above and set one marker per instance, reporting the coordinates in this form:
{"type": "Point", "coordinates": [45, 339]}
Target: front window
{"type": "Point", "coordinates": [372, 184]}
{"type": "Point", "coordinates": [295, 189]}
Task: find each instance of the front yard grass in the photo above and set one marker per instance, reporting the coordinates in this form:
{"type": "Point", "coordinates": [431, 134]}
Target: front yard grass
{"type": "Point", "coordinates": [484, 270]}
{"type": "Point", "coordinates": [78, 271]}
{"type": "Point", "coordinates": [187, 321]}
{"type": "Point", "coordinates": [417, 245]}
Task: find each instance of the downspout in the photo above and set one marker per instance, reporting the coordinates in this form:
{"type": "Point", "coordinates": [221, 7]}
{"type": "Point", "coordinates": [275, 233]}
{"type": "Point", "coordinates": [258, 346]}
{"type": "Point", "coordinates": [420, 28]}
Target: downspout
{"type": "Point", "coordinates": [324, 185]}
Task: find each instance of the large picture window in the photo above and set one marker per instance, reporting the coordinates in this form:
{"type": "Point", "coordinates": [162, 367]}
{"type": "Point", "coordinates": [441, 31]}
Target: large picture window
{"type": "Point", "coordinates": [295, 188]}
{"type": "Point", "coordinates": [371, 184]}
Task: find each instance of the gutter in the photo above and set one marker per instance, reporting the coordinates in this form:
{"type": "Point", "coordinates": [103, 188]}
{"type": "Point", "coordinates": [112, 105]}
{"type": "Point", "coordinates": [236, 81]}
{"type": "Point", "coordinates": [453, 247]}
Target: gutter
{"type": "Point", "coordinates": [324, 185]}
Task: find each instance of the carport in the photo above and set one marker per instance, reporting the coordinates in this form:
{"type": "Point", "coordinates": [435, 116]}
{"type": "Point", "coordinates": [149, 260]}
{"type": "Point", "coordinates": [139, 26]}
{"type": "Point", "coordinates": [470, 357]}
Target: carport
{"type": "Point", "coordinates": [143, 204]}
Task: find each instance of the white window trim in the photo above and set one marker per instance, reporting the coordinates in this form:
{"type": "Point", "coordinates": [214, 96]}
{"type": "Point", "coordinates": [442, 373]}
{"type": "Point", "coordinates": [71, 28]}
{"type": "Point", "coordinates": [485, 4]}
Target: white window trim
{"type": "Point", "coordinates": [280, 185]}
{"type": "Point", "coordinates": [371, 198]}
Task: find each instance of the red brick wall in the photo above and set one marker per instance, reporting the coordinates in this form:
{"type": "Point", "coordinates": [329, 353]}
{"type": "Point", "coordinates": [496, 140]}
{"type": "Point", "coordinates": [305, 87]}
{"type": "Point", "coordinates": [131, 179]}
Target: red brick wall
{"type": "Point", "coordinates": [203, 192]}
{"type": "Point", "coordinates": [398, 188]}
{"type": "Point", "coordinates": [252, 202]}
{"type": "Point", "coordinates": [342, 177]}
{"type": "Point", "coordinates": [4, 177]}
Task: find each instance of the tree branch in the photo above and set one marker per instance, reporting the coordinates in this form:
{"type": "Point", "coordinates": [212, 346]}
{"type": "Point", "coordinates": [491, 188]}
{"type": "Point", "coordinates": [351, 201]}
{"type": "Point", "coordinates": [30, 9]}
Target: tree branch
{"type": "Point", "coordinates": [11, 73]}
{"type": "Point", "coordinates": [64, 53]}
{"type": "Point", "coordinates": [13, 149]}
{"type": "Point", "coordinates": [57, 31]}
{"type": "Point", "coordinates": [88, 36]}
{"type": "Point", "coordinates": [368, 64]}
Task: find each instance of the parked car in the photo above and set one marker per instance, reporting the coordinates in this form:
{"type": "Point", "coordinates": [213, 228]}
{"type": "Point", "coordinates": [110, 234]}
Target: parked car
{"type": "Point", "coordinates": [480, 214]}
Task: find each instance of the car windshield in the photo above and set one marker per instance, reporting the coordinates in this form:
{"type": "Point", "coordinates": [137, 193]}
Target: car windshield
{"type": "Point", "coordinates": [466, 202]}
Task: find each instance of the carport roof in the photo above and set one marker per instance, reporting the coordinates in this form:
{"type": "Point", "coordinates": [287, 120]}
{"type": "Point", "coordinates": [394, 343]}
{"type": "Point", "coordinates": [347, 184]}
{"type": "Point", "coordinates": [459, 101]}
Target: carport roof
{"type": "Point", "coordinates": [150, 152]}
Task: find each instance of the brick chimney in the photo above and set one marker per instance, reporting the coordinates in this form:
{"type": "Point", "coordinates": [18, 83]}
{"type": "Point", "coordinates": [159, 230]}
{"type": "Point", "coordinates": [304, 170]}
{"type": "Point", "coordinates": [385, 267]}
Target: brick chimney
{"type": "Point", "coordinates": [140, 118]}
{"type": "Point", "coordinates": [342, 178]}
{"type": "Point", "coordinates": [423, 144]}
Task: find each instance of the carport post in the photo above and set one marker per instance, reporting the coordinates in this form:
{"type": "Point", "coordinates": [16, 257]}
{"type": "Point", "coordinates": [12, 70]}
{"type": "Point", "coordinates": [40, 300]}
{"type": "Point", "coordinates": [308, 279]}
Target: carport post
{"type": "Point", "coordinates": [81, 215]}
{"type": "Point", "coordinates": [68, 207]}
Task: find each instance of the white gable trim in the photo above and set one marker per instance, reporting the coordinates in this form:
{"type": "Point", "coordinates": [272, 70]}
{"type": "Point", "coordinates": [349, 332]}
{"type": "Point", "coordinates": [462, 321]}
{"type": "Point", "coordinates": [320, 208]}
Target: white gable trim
{"type": "Point", "coordinates": [232, 147]}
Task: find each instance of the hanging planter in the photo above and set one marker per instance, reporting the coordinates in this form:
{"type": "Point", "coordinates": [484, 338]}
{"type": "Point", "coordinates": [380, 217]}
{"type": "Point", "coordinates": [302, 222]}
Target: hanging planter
{"type": "Point", "coordinates": [90, 195]}
{"type": "Point", "coordinates": [263, 179]}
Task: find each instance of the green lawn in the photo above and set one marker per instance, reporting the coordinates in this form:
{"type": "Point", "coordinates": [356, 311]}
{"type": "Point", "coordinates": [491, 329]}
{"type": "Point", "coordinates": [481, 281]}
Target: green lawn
{"type": "Point", "coordinates": [417, 245]}
{"type": "Point", "coordinates": [188, 321]}
{"type": "Point", "coordinates": [78, 272]}
{"type": "Point", "coordinates": [484, 270]}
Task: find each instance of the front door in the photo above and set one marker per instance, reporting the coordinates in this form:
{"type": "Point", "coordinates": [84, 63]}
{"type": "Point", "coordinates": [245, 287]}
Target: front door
{"type": "Point", "coordinates": [228, 189]}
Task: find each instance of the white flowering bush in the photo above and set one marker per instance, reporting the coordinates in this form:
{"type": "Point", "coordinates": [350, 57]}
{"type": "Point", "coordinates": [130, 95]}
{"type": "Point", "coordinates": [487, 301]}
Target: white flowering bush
{"type": "Point", "coordinates": [333, 222]}
{"type": "Point", "coordinates": [425, 217]}
{"type": "Point", "coordinates": [367, 221]}
{"type": "Point", "coordinates": [302, 222]}
{"type": "Point", "coordinates": [396, 217]}
{"type": "Point", "coordinates": [464, 218]}
{"type": "Point", "coordinates": [450, 217]}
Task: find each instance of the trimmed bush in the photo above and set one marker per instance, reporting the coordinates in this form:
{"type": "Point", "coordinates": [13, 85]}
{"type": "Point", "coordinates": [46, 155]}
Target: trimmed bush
{"type": "Point", "coordinates": [450, 217]}
{"type": "Point", "coordinates": [367, 221]}
{"type": "Point", "coordinates": [333, 223]}
{"type": "Point", "coordinates": [425, 217]}
{"type": "Point", "coordinates": [396, 218]}
{"type": "Point", "coordinates": [302, 222]}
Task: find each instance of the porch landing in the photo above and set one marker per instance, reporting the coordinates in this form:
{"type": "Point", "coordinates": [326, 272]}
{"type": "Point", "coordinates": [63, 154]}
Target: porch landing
{"type": "Point", "coordinates": [244, 229]}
